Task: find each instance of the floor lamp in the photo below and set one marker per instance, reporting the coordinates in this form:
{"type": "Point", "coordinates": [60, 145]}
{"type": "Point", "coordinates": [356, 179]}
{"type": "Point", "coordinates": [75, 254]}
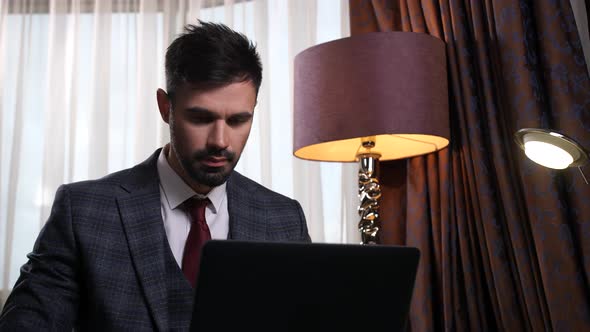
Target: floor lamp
{"type": "Point", "coordinates": [551, 149]}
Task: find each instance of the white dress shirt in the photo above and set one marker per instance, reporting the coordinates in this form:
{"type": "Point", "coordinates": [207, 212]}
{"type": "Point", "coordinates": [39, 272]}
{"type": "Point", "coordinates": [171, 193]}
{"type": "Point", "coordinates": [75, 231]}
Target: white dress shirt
{"type": "Point", "coordinates": [173, 192]}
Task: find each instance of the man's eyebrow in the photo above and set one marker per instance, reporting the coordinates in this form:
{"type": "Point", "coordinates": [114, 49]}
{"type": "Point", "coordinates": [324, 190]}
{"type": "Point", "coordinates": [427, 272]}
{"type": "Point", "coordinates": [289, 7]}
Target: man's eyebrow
{"type": "Point", "coordinates": [197, 109]}
{"type": "Point", "coordinates": [244, 114]}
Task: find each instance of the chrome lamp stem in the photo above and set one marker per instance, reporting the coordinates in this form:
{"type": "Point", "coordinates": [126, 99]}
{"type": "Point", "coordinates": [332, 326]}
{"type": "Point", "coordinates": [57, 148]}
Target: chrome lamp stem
{"type": "Point", "coordinates": [369, 194]}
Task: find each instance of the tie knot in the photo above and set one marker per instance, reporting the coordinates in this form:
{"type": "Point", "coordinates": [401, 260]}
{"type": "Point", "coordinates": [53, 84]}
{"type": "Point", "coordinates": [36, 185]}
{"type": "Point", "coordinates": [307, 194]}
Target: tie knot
{"type": "Point", "coordinates": [196, 201]}
{"type": "Point", "coordinates": [196, 208]}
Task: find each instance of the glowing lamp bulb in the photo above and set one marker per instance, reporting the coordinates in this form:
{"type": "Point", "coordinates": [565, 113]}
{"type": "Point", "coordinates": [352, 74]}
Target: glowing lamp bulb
{"type": "Point", "coordinates": [547, 154]}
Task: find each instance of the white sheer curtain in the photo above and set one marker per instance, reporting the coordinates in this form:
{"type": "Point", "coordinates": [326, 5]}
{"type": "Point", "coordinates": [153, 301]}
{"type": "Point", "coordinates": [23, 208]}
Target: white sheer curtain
{"type": "Point", "coordinates": [77, 101]}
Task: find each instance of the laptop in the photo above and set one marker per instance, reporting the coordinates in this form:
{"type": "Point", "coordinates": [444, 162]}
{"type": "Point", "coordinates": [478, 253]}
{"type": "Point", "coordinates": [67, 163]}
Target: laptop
{"type": "Point", "coordinates": [270, 286]}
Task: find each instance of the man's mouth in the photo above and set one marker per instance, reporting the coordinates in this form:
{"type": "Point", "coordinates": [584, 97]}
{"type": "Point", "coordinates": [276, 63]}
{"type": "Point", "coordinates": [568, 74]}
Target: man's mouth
{"type": "Point", "coordinates": [214, 161]}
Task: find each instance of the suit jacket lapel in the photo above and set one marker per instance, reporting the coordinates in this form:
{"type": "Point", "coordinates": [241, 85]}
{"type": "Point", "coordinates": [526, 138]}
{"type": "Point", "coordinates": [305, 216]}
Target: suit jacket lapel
{"type": "Point", "coordinates": [246, 215]}
{"type": "Point", "coordinates": [146, 237]}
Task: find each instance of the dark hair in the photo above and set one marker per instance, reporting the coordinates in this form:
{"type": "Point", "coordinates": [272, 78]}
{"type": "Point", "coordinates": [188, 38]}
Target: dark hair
{"type": "Point", "coordinates": [211, 55]}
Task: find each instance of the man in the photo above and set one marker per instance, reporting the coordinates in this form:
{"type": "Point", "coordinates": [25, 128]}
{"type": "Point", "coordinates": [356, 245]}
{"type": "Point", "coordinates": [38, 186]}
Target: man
{"type": "Point", "coordinates": [116, 252]}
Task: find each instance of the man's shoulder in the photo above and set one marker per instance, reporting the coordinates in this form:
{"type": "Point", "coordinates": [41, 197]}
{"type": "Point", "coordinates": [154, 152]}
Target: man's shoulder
{"type": "Point", "coordinates": [141, 174]}
{"type": "Point", "coordinates": [248, 187]}
{"type": "Point", "coordinates": [110, 180]}
{"type": "Point", "coordinates": [107, 187]}
{"type": "Point", "coordinates": [262, 214]}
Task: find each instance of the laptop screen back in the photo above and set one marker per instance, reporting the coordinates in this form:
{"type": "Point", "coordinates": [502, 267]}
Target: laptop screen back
{"type": "Point", "coordinates": [266, 286]}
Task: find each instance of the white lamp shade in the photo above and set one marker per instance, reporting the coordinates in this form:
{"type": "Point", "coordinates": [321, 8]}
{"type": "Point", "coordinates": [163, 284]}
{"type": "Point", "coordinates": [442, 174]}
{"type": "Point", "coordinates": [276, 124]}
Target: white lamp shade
{"type": "Point", "coordinates": [547, 155]}
{"type": "Point", "coordinates": [550, 149]}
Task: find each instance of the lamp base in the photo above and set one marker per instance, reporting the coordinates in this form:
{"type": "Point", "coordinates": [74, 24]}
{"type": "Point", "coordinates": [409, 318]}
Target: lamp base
{"type": "Point", "coordinates": [369, 194]}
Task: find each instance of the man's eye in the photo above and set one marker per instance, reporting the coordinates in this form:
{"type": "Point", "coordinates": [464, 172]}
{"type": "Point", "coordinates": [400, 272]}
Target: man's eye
{"type": "Point", "coordinates": [238, 120]}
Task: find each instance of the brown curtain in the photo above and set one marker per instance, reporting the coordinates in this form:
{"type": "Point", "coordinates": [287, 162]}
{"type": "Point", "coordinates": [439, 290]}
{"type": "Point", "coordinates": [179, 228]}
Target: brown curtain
{"type": "Point", "coordinates": [505, 243]}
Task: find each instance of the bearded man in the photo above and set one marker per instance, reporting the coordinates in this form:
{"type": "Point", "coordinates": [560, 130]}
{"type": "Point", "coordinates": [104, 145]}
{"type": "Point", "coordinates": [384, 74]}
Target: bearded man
{"type": "Point", "coordinates": [122, 252]}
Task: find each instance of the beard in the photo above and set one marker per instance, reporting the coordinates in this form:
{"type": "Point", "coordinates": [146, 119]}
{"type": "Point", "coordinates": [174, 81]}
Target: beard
{"type": "Point", "coordinates": [206, 175]}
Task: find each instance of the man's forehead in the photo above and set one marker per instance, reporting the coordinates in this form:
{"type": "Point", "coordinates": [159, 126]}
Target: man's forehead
{"type": "Point", "coordinates": [238, 97]}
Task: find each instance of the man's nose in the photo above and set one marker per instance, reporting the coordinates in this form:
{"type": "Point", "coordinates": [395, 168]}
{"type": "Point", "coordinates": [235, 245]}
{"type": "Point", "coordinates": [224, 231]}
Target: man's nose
{"type": "Point", "coordinates": [218, 136]}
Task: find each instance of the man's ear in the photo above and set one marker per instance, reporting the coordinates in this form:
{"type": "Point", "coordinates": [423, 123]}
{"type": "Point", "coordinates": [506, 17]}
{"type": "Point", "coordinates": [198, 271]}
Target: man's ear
{"type": "Point", "coordinates": [164, 105]}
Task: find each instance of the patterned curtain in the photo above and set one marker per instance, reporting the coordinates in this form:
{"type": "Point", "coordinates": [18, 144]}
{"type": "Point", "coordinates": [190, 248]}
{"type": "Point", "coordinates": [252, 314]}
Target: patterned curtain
{"type": "Point", "coordinates": [505, 243]}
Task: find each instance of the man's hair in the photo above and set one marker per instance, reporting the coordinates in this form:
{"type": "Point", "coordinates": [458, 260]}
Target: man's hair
{"type": "Point", "coordinates": [211, 55]}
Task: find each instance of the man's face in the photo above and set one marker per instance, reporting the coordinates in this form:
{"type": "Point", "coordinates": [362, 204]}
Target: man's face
{"type": "Point", "coordinates": [208, 131]}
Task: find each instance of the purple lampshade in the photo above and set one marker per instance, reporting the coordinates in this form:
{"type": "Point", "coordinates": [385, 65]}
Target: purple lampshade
{"type": "Point", "coordinates": [389, 85]}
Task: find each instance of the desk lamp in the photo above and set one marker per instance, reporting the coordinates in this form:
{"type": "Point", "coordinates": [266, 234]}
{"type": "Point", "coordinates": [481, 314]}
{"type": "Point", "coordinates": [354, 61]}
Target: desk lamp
{"type": "Point", "coordinates": [371, 97]}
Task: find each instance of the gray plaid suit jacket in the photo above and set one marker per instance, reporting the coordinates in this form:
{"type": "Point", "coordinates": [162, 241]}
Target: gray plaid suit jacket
{"type": "Point", "coordinates": [102, 262]}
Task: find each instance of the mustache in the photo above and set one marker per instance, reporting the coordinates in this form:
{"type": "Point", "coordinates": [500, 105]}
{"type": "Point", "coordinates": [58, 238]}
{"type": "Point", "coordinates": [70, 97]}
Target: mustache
{"type": "Point", "coordinates": [206, 153]}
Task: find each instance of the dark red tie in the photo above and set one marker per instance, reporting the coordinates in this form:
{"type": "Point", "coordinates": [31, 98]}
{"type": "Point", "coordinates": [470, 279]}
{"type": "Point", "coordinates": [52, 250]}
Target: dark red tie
{"type": "Point", "coordinates": [197, 236]}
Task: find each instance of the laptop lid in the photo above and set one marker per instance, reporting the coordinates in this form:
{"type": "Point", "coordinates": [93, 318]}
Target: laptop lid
{"type": "Point", "coordinates": [269, 286]}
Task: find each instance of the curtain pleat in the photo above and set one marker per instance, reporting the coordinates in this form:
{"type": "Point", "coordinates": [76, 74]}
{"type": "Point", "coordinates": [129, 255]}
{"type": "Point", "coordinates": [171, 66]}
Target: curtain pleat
{"type": "Point", "coordinates": [307, 186]}
{"type": "Point", "coordinates": [13, 170]}
{"type": "Point", "coordinates": [263, 120]}
{"type": "Point", "coordinates": [71, 87]}
{"type": "Point", "coordinates": [149, 68]}
{"type": "Point", "coordinates": [99, 93]}
{"type": "Point", "coordinates": [5, 235]}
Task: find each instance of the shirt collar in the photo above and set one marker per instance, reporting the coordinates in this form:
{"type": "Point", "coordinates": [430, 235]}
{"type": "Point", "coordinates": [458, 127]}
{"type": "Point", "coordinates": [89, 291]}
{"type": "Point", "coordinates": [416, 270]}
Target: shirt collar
{"type": "Point", "coordinates": [177, 191]}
